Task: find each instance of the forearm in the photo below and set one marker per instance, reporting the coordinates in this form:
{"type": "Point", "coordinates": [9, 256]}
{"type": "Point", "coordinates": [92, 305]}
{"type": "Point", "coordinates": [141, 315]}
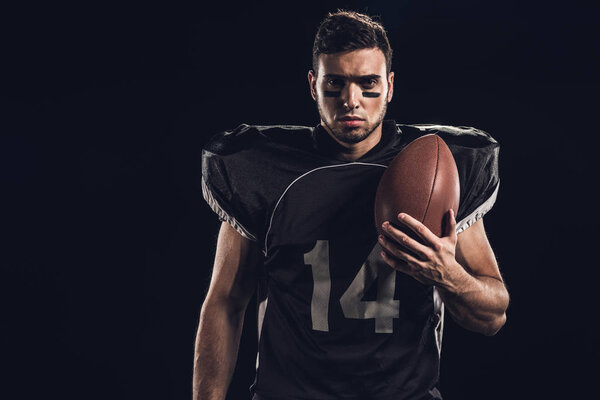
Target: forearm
{"type": "Point", "coordinates": [216, 351]}
{"type": "Point", "coordinates": [477, 303]}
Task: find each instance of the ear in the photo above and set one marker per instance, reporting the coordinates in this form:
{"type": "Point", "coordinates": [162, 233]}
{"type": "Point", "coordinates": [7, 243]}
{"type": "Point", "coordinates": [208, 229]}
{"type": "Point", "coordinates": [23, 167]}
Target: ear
{"type": "Point", "coordinates": [312, 83]}
{"type": "Point", "coordinates": [390, 86]}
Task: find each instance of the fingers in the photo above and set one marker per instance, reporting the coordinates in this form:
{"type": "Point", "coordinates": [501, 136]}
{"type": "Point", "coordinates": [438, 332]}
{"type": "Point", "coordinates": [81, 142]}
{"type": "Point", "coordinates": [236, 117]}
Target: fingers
{"type": "Point", "coordinates": [394, 262]}
{"type": "Point", "coordinates": [425, 256]}
{"type": "Point", "coordinates": [417, 227]}
{"type": "Point", "coordinates": [402, 239]}
{"type": "Point", "coordinates": [398, 259]}
{"type": "Point", "coordinates": [451, 224]}
{"type": "Point", "coordinates": [406, 265]}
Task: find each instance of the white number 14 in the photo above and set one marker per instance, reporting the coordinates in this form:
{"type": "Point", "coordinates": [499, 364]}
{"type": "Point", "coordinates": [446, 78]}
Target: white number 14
{"type": "Point", "coordinates": [384, 309]}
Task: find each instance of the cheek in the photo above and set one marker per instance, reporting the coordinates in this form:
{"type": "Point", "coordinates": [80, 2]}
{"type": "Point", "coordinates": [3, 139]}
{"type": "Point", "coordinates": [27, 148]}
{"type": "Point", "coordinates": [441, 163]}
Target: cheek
{"type": "Point", "coordinates": [327, 104]}
{"type": "Point", "coordinates": [375, 105]}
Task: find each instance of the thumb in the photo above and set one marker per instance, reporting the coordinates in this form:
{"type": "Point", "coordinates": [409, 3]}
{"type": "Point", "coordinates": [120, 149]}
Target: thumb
{"type": "Point", "coordinates": [450, 224]}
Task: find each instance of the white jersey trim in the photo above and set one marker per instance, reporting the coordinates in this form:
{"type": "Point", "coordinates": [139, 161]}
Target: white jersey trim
{"type": "Point", "coordinates": [216, 207]}
{"type": "Point", "coordinates": [262, 310]}
{"type": "Point", "coordinates": [449, 128]}
{"type": "Point", "coordinates": [478, 213]}
{"type": "Point", "coordinates": [438, 308]}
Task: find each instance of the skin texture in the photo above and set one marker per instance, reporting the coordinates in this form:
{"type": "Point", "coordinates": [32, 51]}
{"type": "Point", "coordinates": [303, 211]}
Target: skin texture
{"type": "Point", "coordinates": [232, 285]}
{"type": "Point", "coordinates": [462, 267]}
{"type": "Point", "coordinates": [351, 74]}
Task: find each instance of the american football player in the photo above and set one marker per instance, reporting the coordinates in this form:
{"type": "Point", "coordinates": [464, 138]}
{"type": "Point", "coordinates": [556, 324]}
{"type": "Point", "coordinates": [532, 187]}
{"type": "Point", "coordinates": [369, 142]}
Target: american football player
{"type": "Point", "coordinates": [343, 313]}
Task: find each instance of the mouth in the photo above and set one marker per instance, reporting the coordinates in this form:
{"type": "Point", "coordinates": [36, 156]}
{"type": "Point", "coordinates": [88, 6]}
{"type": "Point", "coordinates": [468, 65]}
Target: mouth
{"type": "Point", "coordinates": [351, 121]}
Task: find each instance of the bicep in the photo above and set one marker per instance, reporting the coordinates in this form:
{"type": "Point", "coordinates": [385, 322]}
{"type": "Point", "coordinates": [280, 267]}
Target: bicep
{"type": "Point", "coordinates": [235, 270]}
{"type": "Point", "coordinates": [474, 253]}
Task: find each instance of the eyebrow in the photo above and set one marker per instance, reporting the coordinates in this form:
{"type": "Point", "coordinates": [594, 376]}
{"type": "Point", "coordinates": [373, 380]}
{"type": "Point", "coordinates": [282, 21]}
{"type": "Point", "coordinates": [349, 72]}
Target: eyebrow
{"type": "Point", "coordinates": [370, 76]}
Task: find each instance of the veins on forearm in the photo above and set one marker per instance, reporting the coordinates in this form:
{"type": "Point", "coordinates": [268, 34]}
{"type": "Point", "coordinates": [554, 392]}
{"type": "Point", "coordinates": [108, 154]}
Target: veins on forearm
{"type": "Point", "coordinates": [480, 306]}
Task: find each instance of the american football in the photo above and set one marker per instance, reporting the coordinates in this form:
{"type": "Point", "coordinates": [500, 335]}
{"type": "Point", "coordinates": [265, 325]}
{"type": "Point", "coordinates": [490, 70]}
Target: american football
{"type": "Point", "coordinates": [421, 181]}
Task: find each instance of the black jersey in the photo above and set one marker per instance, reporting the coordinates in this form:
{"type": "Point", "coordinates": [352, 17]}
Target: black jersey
{"type": "Point", "coordinates": [335, 321]}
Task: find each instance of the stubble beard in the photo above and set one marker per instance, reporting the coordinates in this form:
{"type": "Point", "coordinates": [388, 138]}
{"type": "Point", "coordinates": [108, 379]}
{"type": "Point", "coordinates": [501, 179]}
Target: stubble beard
{"type": "Point", "coordinates": [353, 135]}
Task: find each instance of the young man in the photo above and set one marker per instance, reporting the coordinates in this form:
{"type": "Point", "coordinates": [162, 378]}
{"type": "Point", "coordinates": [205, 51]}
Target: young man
{"type": "Point", "coordinates": [343, 313]}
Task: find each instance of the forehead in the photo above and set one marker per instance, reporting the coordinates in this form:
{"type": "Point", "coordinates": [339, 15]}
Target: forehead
{"type": "Point", "coordinates": [353, 63]}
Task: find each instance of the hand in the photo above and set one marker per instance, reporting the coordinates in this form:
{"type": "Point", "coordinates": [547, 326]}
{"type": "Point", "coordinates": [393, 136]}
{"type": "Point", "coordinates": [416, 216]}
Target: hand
{"type": "Point", "coordinates": [431, 263]}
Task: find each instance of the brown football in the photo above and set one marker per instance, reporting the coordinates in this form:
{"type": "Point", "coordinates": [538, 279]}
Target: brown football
{"type": "Point", "coordinates": [421, 181]}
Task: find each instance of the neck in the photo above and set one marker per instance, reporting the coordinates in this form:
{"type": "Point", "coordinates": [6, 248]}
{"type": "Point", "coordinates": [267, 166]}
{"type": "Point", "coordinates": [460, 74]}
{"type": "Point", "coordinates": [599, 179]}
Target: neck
{"type": "Point", "coordinates": [354, 151]}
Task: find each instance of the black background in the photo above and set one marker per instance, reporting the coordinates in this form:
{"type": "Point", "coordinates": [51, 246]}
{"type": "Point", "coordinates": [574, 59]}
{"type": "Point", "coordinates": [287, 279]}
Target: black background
{"type": "Point", "coordinates": [108, 244]}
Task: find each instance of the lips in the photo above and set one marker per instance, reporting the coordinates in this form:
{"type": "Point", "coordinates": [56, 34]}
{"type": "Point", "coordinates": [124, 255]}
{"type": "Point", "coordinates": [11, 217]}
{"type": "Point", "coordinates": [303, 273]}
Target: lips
{"type": "Point", "coordinates": [351, 121]}
{"type": "Point", "coordinates": [351, 118]}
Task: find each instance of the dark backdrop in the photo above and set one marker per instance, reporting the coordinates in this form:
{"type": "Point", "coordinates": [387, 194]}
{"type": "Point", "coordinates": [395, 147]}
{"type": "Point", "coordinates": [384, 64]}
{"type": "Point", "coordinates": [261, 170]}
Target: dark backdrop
{"type": "Point", "coordinates": [108, 244]}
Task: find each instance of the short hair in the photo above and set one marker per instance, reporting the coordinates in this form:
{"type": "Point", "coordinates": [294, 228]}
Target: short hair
{"type": "Point", "coordinates": [350, 30]}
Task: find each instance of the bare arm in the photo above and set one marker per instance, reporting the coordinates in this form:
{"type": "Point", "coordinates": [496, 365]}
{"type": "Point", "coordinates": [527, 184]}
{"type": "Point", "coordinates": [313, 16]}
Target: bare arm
{"type": "Point", "coordinates": [462, 266]}
{"type": "Point", "coordinates": [232, 284]}
{"type": "Point", "coordinates": [479, 303]}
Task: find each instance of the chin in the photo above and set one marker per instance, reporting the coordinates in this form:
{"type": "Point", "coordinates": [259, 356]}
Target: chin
{"type": "Point", "coordinates": [352, 135]}
{"type": "Point", "coordinates": [351, 138]}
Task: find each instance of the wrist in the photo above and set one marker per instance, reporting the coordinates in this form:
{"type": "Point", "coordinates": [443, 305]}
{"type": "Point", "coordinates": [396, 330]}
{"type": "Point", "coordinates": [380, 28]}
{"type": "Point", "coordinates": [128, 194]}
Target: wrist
{"type": "Point", "coordinates": [459, 280]}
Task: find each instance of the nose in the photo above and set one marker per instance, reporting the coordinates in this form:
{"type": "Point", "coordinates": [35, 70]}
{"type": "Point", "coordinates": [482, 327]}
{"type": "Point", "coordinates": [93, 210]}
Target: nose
{"type": "Point", "coordinates": [351, 96]}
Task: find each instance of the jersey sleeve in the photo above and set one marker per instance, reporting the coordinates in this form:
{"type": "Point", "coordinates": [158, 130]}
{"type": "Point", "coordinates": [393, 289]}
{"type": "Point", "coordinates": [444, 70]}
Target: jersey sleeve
{"type": "Point", "coordinates": [476, 155]}
{"type": "Point", "coordinates": [229, 180]}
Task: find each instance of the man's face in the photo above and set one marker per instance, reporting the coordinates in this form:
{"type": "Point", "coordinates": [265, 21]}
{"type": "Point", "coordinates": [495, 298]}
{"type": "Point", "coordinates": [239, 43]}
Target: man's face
{"type": "Point", "coordinates": [352, 90]}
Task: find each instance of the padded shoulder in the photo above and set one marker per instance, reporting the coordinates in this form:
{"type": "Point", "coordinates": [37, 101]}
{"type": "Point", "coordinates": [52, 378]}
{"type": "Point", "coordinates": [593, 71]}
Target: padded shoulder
{"type": "Point", "coordinates": [476, 155]}
{"type": "Point", "coordinates": [246, 137]}
{"type": "Point", "coordinates": [453, 135]}
{"type": "Point", "coordinates": [242, 170]}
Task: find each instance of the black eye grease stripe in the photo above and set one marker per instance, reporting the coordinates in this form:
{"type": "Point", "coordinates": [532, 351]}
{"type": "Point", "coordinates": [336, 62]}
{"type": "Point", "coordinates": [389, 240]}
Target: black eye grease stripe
{"type": "Point", "coordinates": [371, 94]}
{"type": "Point", "coordinates": [329, 93]}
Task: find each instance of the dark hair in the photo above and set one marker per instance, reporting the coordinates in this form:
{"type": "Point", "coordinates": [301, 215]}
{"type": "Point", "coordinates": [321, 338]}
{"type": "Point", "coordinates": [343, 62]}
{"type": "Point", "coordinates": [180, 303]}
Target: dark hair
{"type": "Point", "coordinates": [350, 30]}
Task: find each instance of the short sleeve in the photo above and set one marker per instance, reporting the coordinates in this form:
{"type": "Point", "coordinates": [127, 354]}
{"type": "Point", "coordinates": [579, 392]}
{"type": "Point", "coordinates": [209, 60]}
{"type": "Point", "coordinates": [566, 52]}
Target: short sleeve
{"type": "Point", "coordinates": [228, 179]}
{"type": "Point", "coordinates": [246, 170]}
{"type": "Point", "coordinates": [476, 155]}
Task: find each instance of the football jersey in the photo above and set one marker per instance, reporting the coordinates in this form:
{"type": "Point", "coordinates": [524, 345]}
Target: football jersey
{"type": "Point", "coordinates": [335, 321]}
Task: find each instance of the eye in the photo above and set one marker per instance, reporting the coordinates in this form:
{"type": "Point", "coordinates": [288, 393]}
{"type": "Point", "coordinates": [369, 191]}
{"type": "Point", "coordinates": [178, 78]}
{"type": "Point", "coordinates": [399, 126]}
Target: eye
{"type": "Point", "coordinates": [369, 83]}
{"type": "Point", "coordinates": [335, 83]}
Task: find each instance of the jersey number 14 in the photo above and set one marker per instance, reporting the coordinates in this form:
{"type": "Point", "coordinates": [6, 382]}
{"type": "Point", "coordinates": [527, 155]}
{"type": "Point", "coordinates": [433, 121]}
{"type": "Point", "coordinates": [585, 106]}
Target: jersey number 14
{"type": "Point", "coordinates": [384, 309]}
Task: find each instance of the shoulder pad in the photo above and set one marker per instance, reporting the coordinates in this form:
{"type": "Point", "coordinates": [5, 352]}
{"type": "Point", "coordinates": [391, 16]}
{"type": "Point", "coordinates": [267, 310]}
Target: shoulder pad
{"type": "Point", "coordinates": [246, 136]}
{"type": "Point", "coordinates": [476, 156]}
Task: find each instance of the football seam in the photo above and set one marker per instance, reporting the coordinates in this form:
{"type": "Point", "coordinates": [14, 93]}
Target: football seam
{"type": "Point", "coordinates": [437, 163]}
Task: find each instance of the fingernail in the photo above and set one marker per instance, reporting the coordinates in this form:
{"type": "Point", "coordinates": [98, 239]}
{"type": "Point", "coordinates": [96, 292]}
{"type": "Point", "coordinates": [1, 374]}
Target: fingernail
{"type": "Point", "coordinates": [401, 216]}
{"type": "Point", "coordinates": [386, 224]}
